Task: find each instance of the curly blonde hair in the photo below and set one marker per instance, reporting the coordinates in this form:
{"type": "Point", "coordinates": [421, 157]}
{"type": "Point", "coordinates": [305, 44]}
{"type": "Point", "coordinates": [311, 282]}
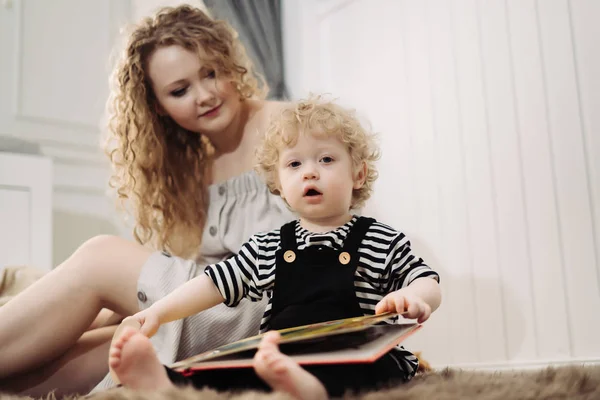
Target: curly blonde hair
{"type": "Point", "coordinates": [159, 170]}
{"type": "Point", "coordinates": [317, 115]}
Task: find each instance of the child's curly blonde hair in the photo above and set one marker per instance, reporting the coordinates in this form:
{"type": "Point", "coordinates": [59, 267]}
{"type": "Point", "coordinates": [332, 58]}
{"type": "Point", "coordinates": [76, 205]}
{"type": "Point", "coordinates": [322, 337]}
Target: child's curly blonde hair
{"type": "Point", "coordinates": [160, 168]}
{"type": "Point", "coordinates": [319, 116]}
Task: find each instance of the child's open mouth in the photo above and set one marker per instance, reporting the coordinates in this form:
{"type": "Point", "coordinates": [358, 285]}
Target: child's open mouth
{"type": "Point", "coordinates": [312, 192]}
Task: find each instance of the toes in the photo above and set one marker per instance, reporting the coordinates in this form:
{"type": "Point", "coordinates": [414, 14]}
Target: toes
{"type": "Point", "coordinates": [119, 343]}
{"type": "Point", "coordinates": [128, 332]}
{"type": "Point", "coordinates": [114, 362]}
{"type": "Point", "coordinates": [125, 336]}
{"type": "Point", "coordinates": [115, 352]}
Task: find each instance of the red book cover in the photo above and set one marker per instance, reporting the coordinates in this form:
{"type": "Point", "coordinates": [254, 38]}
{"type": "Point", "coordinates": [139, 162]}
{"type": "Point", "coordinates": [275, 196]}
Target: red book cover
{"type": "Point", "coordinates": [352, 340]}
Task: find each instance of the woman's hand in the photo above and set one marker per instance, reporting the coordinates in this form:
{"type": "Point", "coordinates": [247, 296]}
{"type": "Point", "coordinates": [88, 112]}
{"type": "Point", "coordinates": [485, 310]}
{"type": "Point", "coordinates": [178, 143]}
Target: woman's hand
{"type": "Point", "coordinates": [404, 301]}
{"type": "Point", "coordinates": [145, 321]}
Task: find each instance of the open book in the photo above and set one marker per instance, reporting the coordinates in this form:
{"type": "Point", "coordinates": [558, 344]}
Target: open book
{"type": "Point", "coordinates": [352, 340]}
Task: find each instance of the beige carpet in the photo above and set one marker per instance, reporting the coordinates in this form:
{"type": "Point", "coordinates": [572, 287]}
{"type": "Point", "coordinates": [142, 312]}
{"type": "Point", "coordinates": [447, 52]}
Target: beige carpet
{"type": "Point", "coordinates": [552, 383]}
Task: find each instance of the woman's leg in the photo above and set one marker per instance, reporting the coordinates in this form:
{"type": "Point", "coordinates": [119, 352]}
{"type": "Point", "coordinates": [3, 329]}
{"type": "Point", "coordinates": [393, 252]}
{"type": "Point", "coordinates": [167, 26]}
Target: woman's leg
{"type": "Point", "coordinates": [46, 319]}
{"type": "Point", "coordinates": [105, 318]}
{"type": "Point", "coordinates": [76, 372]}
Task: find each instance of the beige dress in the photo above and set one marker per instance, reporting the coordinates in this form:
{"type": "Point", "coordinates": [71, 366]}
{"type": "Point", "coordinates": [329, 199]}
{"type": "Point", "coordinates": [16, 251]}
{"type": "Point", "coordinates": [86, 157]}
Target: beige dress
{"type": "Point", "coordinates": [238, 208]}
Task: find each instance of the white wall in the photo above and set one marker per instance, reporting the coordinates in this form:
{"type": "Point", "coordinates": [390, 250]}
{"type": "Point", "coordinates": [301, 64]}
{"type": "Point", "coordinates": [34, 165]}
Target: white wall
{"type": "Point", "coordinates": [55, 60]}
{"type": "Point", "coordinates": [489, 114]}
{"type": "Point", "coordinates": [145, 8]}
{"type": "Point", "coordinates": [54, 64]}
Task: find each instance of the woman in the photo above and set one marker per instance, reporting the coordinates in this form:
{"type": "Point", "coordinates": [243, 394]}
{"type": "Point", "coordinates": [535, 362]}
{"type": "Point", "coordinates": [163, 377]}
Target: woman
{"type": "Point", "coordinates": [186, 113]}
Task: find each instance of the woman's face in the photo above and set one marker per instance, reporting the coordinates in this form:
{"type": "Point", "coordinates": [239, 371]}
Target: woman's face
{"type": "Point", "coordinates": [190, 93]}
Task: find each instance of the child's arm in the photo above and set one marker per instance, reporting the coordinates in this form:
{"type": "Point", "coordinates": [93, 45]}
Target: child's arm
{"type": "Point", "coordinates": [410, 286]}
{"type": "Point", "coordinates": [228, 281]}
{"type": "Point", "coordinates": [419, 299]}
{"type": "Point", "coordinates": [192, 297]}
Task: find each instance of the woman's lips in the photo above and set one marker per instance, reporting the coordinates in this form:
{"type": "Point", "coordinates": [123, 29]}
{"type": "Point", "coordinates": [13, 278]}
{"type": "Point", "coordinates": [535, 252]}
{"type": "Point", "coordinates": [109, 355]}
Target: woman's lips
{"type": "Point", "coordinates": [212, 112]}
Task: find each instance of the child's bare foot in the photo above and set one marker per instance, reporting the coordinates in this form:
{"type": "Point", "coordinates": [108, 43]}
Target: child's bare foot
{"type": "Point", "coordinates": [283, 374]}
{"type": "Point", "coordinates": [134, 363]}
{"type": "Point", "coordinates": [127, 324]}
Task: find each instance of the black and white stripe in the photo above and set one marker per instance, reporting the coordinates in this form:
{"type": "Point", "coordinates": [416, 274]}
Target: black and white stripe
{"type": "Point", "coordinates": [386, 263]}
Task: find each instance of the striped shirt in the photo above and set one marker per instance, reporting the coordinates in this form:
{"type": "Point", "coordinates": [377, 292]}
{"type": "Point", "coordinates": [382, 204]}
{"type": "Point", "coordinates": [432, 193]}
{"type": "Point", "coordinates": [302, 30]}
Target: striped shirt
{"type": "Point", "coordinates": [386, 264]}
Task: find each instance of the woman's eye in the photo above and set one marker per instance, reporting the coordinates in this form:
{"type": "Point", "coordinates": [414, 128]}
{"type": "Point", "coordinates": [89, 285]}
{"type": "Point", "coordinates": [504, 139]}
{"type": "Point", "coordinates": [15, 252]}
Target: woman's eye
{"type": "Point", "coordinates": [326, 160]}
{"type": "Point", "coordinates": [179, 92]}
{"type": "Point", "coordinates": [211, 74]}
{"type": "Point", "coordinates": [294, 164]}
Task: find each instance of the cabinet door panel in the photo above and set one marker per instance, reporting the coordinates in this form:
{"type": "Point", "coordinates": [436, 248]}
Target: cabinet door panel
{"type": "Point", "coordinates": [25, 210]}
{"type": "Point", "coordinates": [15, 217]}
{"type": "Point", "coordinates": [55, 65]}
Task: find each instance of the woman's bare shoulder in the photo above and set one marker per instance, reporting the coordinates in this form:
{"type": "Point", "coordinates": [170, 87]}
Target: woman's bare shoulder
{"type": "Point", "coordinates": [270, 109]}
{"type": "Point", "coordinates": [262, 112]}
{"type": "Point", "coordinates": [275, 106]}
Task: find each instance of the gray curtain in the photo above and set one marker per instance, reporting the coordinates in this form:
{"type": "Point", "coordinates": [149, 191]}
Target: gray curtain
{"type": "Point", "coordinates": [259, 24]}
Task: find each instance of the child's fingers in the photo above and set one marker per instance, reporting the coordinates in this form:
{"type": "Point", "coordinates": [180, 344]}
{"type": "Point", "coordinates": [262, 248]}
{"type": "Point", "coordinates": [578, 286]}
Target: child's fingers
{"type": "Point", "coordinates": [401, 305]}
{"type": "Point", "coordinates": [384, 305]}
{"type": "Point", "coordinates": [426, 313]}
{"type": "Point", "coordinates": [133, 322]}
{"type": "Point", "coordinates": [145, 329]}
{"type": "Point", "coordinates": [379, 308]}
{"type": "Point", "coordinates": [413, 309]}
{"type": "Point", "coordinates": [149, 327]}
{"type": "Point", "coordinates": [273, 335]}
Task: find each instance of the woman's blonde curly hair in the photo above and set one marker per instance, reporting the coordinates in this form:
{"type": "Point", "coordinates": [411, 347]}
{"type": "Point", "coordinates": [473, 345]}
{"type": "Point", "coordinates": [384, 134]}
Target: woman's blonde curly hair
{"type": "Point", "coordinates": [318, 116]}
{"type": "Point", "coordinates": [160, 171]}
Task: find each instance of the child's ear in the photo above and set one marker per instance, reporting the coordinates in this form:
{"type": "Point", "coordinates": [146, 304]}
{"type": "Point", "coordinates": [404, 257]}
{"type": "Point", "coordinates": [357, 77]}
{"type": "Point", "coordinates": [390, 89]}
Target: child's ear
{"type": "Point", "coordinates": [360, 176]}
{"type": "Point", "coordinates": [279, 189]}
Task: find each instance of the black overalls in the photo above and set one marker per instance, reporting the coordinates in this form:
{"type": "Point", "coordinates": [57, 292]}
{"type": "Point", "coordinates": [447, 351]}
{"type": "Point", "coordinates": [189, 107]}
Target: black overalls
{"type": "Point", "coordinates": [312, 285]}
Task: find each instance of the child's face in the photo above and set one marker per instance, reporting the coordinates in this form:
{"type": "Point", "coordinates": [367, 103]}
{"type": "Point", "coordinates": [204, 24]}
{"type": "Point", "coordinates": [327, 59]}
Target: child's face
{"type": "Point", "coordinates": [188, 91]}
{"type": "Point", "coordinates": [316, 177]}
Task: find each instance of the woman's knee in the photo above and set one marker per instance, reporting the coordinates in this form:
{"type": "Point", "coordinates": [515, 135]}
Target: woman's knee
{"type": "Point", "coordinates": [84, 267]}
{"type": "Point", "coordinates": [100, 243]}
{"type": "Point", "coordinates": [89, 255]}
{"type": "Point", "coordinates": [107, 258]}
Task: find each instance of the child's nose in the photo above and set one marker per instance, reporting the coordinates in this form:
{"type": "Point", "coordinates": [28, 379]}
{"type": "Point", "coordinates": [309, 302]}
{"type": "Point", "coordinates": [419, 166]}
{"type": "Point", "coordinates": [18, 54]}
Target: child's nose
{"type": "Point", "coordinates": [310, 173]}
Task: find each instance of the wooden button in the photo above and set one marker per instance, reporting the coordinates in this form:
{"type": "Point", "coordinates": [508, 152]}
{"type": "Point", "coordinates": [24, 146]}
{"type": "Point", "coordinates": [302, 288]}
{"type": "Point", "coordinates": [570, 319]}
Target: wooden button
{"type": "Point", "coordinates": [289, 256]}
{"type": "Point", "coordinates": [344, 258]}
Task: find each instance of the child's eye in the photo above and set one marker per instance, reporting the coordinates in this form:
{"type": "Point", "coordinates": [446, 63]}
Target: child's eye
{"type": "Point", "coordinates": [326, 160]}
{"type": "Point", "coordinates": [294, 164]}
{"type": "Point", "coordinates": [212, 74]}
{"type": "Point", "coordinates": [179, 92]}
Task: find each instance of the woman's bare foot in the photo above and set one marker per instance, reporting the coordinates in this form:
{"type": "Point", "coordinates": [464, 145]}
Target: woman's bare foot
{"type": "Point", "coordinates": [134, 363]}
{"type": "Point", "coordinates": [283, 374]}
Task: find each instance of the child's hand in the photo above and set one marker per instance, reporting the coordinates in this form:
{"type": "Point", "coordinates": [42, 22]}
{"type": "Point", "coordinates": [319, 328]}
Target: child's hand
{"type": "Point", "coordinates": [403, 301]}
{"type": "Point", "coordinates": [146, 320]}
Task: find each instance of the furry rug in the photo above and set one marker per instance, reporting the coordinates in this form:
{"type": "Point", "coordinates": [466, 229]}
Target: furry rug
{"type": "Point", "coordinates": [552, 383]}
